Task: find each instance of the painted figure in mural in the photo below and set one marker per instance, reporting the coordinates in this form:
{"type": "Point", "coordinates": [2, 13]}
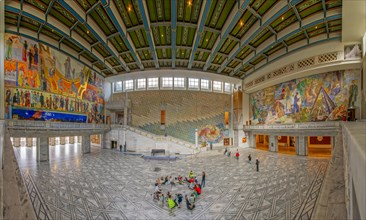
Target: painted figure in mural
{"type": "Point", "coordinates": [41, 100]}
{"type": "Point", "coordinates": [67, 103]}
{"type": "Point", "coordinates": [24, 51]}
{"type": "Point", "coordinates": [59, 85]}
{"type": "Point", "coordinates": [9, 52]}
{"type": "Point", "coordinates": [30, 57]}
{"type": "Point", "coordinates": [20, 77]}
{"type": "Point", "coordinates": [35, 54]}
{"type": "Point", "coordinates": [297, 100]}
{"type": "Point", "coordinates": [353, 92]}
{"type": "Point", "coordinates": [67, 65]}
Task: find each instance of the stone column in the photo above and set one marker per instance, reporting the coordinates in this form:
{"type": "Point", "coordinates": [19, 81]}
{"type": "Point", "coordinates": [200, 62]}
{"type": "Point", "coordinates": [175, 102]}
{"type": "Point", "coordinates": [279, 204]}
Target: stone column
{"type": "Point", "coordinates": [16, 142]}
{"type": "Point", "coordinates": [52, 141]}
{"type": "Point", "coordinates": [62, 140]}
{"type": "Point", "coordinates": [29, 142]}
{"type": "Point", "coordinates": [2, 59]}
{"type": "Point", "coordinates": [251, 139]}
{"type": "Point", "coordinates": [72, 140]}
{"type": "Point", "coordinates": [273, 143]}
{"type": "Point", "coordinates": [85, 144]}
{"type": "Point", "coordinates": [79, 139]}
{"type": "Point", "coordinates": [302, 145]}
{"type": "Point", "coordinates": [106, 141]}
{"type": "Point", "coordinates": [43, 149]}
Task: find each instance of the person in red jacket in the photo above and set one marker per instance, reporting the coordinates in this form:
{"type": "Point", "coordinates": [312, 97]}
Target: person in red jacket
{"type": "Point", "coordinates": [197, 189]}
{"type": "Point", "coordinates": [237, 154]}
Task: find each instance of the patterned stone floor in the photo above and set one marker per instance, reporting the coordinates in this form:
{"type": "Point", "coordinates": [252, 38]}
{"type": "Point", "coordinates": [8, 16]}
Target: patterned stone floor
{"type": "Point", "coordinates": [107, 184]}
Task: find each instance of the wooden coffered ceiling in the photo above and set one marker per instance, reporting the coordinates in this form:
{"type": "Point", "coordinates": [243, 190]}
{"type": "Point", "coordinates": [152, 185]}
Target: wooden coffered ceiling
{"type": "Point", "coordinates": [229, 37]}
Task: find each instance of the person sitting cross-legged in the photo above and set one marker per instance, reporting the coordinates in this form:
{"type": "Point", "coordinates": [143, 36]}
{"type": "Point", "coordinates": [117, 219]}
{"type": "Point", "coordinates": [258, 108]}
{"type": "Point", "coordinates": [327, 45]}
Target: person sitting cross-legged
{"type": "Point", "coordinates": [178, 199]}
{"type": "Point", "coordinates": [171, 202]}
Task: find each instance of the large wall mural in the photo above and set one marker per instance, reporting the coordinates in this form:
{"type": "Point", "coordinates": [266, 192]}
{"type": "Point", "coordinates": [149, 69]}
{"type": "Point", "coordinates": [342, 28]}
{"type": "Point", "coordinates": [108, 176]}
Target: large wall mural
{"type": "Point", "coordinates": [323, 97]}
{"type": "Point", "coordinates": [44, 84]}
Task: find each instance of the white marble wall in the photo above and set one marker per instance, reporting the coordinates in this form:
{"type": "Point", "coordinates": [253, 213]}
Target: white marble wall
{"type": "Point", "coordinates": [43, 149]}
{"type": "Point", "coordinates": [354, 143]}
{"type": "Point", "coordinates": [140, 143]}
{"type": "Point", "coordinates": [273, 143]}
{"type": "Point", "coordinates": [85, 144]}
{"type": "Point", "coordinates": [15, 202]}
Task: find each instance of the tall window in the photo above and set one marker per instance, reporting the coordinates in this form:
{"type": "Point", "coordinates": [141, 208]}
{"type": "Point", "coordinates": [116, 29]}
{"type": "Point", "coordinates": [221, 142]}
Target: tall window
{"type": "Point", "coordinates": [192, 83]}
{"type": "Point", "coordinates": [129, 84]}
{"type": "Point", "coordinates": [227, 87]}
{"type": "Point", "coordinates": [217, 86]}
{"type": "Point", "coordinates": [117, 87]}
{"type": "Point", "coordinates": [167, 82]}
{"type": "Point", "coordinates": [179, 82]}
{"type": "Point", "coordinates": [153, 82]}
{"type": "Point", "coordinates": [205, 84]}
{"type": "Point", "coordinates": [141, 83]}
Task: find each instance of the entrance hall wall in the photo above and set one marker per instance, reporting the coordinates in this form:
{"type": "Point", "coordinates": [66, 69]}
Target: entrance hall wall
{"type": "Point", "coordinates": [185, 111]}
{"type": "Point", "coordinates": [44, 84]}
{"type": "Point", "coordinates": [321, 97]}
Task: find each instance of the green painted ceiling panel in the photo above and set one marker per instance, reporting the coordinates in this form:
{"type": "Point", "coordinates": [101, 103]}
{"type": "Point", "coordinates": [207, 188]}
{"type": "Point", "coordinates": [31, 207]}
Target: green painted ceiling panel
{"type": "Point", "coordinates": [152, 10]}
{"type": "Point", "coordinates": [38, 4]}
{"type": "Point", "coordinates": [263, 38]}
{"type": "Point", "coordinates": [265, 7]}
{"type": "Point", "coordinates": [313, 9]}
{"type": "Point", "coordinates": [240, 24]}
{"type": "Point", "coordinates": [225, 13]}
{"type": "Point", "coordinates": [274, 49]}
{"type": "Point", "coordinates": [300, 36]}
{"type": "Point", "coordinates": [167, 10]}
{"type": "Point", "coordinates": [307, 4]}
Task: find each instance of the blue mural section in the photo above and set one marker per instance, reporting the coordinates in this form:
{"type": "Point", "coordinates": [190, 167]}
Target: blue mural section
{"type": "Point", "coordinates": [40, 115]}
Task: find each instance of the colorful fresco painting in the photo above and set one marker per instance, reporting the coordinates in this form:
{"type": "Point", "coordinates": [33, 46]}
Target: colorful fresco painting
{"type": "Point", "coordinates": [323, 97]}
{"type": "Point", "coordinates": [39, 78]}
{"type": "Point", "coordinates": [211, 133]}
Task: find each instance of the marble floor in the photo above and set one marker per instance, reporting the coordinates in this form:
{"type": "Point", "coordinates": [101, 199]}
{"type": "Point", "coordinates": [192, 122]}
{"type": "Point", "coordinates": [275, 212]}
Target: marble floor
{"type": "Point", "coordinates": [107, 184]}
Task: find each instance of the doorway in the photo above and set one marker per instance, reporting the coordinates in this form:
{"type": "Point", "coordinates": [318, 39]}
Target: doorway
{"type": "Point", "coordinates": [319, 146]}
{"type": "Point", "coordinates": [262, 142]}
{"type": "Point", "coordinates": [286, 145]}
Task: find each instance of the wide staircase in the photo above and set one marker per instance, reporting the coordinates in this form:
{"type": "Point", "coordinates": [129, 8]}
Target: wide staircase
{"type": "Point", "coordinates": [185, 111]}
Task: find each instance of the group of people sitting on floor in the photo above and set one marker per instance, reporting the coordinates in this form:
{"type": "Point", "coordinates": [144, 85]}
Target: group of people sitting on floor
{"type": "Point", "coordinates": [174, 200]}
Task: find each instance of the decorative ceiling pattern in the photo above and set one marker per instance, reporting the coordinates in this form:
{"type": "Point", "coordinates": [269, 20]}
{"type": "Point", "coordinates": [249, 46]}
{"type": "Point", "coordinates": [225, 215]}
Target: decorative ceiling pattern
{"type": "Point", "coordinates": [228, 37]}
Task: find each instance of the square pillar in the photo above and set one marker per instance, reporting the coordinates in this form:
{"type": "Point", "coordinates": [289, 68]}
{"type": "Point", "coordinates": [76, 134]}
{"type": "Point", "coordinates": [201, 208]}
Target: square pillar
{"type": "Point", "coordinates": [302, 145]}
{"type": "Point", "coordinates": [62, 140]}
{"type": "Point", "coordinates": [16, 142]}
{"type": "Point", "coordinates": [85, 144]}
{"type": "Point", "coordinates": [52, 141]}
{"type": "Point", "coordinates": [43, 149]}
{"type": "Point", "coordinates": [79, 139]}
{"type": "Point", "coordinates": [273, 143]}
{"type": "Point", "coordinates": [251, 139]}
{"type": "Point", "coordinates": [71, 140]}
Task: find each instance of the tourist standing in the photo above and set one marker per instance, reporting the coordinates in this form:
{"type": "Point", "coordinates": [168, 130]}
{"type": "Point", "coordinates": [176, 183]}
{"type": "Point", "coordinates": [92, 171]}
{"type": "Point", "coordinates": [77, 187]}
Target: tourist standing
{"type": "Point", "coordinates": [257, 163]}
{"type": "Point", "coordinates": [237, 154]}
{"type": "Point", "coordinates": [225, 151]}
{"type": "Point", "coordinates": [203, 182]}
{"type": "Point", "coordinates": [250, 158]}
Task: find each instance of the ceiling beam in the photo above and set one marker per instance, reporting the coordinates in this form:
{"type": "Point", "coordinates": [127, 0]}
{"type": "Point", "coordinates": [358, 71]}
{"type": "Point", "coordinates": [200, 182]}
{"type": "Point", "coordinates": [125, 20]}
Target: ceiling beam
{"type": "Point", "coordinates": [230, 23]}
{"type": "Point", "coordinates": [199, 30]}
{"type": "Point", "coordinates": [112, 11]}
{"type": "Point", "coordinates": [49, 9]}
{"type": "Point", "coordinates": [32, 15]}
{"type": "Point", "coordinates": [247, 39]}
{"type": "Point", "coordinates": [20, 14]}
{"type": "Point", "coordinates": [174, 30]}
{"type": "Point", "coordinates": [299, 30]}
{"type": "Point", "coordinates": [325, 17]}
{"type": "Point", "coordinates": [73, 10]}
{"type": "Point", "coordinates": [146, 20]}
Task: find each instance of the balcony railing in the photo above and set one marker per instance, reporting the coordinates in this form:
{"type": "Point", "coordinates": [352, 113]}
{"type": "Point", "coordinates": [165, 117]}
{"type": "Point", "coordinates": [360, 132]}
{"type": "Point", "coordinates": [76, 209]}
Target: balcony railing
{"type": "Point", "coordinates": [306, 125]}
{"type": "Point", "coordinates": [33, 125]}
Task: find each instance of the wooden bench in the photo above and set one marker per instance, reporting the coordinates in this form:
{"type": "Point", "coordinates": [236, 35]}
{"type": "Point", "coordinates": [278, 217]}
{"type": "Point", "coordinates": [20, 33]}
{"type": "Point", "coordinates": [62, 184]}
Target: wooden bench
{"type": "Point", "coordinates": [157, 151]}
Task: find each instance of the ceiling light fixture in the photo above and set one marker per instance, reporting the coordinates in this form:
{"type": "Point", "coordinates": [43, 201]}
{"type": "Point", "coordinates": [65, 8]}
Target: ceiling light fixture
{"type": "Point", "coordinates": [316, 27]}
{"type": "Point", "coordinates": [283, 18]}
{"type": "Point", "coordinates": [129, 8]}
{"type": "Point", "coordinates": [189, 3]}
{"type": "Point", "coordinates": [162, 35]}
{"type": "Point", "coordinates": [241, 23]}
{"type": "Point", "coordinates": [87, 31]}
